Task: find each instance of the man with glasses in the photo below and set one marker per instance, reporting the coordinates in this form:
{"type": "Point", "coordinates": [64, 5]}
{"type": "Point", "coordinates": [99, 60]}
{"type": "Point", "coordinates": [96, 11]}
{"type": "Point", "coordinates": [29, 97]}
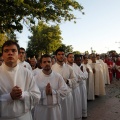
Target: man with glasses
{"type": "Point", "coordinates": [21, 59]}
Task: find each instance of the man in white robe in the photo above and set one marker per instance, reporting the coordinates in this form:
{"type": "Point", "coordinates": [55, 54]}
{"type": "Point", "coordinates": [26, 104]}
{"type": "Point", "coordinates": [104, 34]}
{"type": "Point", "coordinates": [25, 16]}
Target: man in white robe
{"type": "Point", "coordinates": [105, 69]}
{"type": "Point", "coordinates": [68, 75]}
{"type": "Point", "coordinates": [98, 77]}
{"type": "Point", "coordinates": [84, 74]}
{"type": "Point", "coordinates": [21, 59]}
{"type": "Point", "coordinates": [18, 90]}
{"type": "Point", "coordinates": [53, 89]}
{"type": "Point", "coordinates": [76, 90]}
{"type": "Point", "coordinates": [90, 81]}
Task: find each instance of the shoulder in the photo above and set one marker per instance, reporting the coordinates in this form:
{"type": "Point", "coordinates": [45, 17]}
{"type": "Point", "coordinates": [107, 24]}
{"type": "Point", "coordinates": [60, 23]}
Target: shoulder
{"type": "Point", "coordinates": [24, 70]}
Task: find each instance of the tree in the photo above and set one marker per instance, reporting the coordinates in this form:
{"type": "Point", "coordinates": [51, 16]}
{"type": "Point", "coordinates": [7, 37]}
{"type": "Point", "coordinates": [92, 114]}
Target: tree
{"type": "Point", "coordinates": [44, 39]}
{"type": "Point", "coordinates": [77, 52]}
{"type": "Point", "coordinates": [3, 38]}
{"type": "Point", "coordinates": [67, 48]}
{"type": "Point", "coordinates": [12, 12]}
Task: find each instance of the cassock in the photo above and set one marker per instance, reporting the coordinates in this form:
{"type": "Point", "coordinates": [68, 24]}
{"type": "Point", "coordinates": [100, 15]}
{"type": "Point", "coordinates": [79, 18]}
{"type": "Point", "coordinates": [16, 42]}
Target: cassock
{"type": "Point", "coordinates": [77, 94]}
{"type": "Point", "coordinates": [67, 104]}
{"type": "Point", "coordinates": [49, 107]}
{"type": "Point", "coordinates": [90, 83]}
{"type": "Point", "coordinates": [24, 64]}
{"type": "Point", "coordinates": [98, 79]}
{"type": "Point", "coordinates": [110, 67]}
{"type": "Point", "coordinates": [117, 66]}
{"type": "Point", "coordinates": [17, 109]}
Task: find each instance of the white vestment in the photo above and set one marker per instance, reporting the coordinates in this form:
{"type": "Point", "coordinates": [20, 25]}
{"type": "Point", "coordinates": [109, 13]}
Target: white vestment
{"type": "Point", "coordinates": [17, 109]}
{"type": "Point", "coordinates": [98, 79]}
{"type": "Point", "coordinates": [105, 71]}
{"type": "Point", "coordinates": [83, 90]}
{"type": "Point", "coordinates": [49, 107]}
{"type": "Point", "coordinates": [77, 94]}
{"type": "Point", "coordinates": [67, 104]}
{"type": "Point", "coordinates": [36, 71]}
{"type": "Point", "coordinates": [90, 83]}
{"type": "Point", "coordinates": [24, 64]}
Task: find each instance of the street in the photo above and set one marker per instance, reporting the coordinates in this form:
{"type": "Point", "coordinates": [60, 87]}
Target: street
{"type": "Point", "coordinates": [106, 107]}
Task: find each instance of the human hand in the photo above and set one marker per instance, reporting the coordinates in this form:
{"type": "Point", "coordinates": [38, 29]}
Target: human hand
{"type": "Point", "coordinates": [16, 93]}
{"type": "Point", "coordinates": [48, 89]}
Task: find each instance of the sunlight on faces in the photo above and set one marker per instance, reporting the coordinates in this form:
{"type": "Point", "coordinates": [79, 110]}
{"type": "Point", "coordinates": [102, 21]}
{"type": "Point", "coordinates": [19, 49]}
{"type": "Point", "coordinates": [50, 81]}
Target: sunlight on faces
{"type": "Point", "coordinates": [70, 58]}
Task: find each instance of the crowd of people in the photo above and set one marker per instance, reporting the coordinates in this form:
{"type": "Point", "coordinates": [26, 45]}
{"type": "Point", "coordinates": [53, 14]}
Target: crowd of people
{"type": "Point", "coordinates": [53, 87]}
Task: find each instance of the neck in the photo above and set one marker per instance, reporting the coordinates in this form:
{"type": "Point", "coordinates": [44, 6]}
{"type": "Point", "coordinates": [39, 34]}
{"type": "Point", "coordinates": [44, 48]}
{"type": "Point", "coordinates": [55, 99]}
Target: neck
{"type": "Point", "coordinates": [12, 65]}
{"type": "Point", "coordinates": [60, 63]}
{"type": "Point", "coordinates": [47, 72]}
{"type": "Point", "coordinates": [70, 63]}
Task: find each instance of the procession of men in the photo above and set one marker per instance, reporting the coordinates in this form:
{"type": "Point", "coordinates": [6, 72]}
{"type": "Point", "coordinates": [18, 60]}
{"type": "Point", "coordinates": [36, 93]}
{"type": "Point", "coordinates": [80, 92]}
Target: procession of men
{"type": "Point", "coordinates": [46, 90]}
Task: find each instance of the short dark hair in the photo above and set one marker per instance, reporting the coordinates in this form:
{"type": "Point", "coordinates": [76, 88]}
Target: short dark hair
{"type": "Point", "coordinates": [9, 43]}
{"type": "Point", "coordinates": [59, 50]}
{"type": "Point", "coordinates": [69, 53]}
{"type": "Point", "coordinates": [21, 48]}
{"type": "Point", "coordinates": [45, 56]}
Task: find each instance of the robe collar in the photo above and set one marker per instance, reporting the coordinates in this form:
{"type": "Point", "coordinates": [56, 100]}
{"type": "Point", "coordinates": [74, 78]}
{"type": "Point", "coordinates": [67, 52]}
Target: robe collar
{"type": "Point", "coordinates": [10, 68]}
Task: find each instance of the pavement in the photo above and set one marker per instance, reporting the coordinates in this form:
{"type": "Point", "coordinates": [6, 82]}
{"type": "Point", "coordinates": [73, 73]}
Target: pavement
{"type": "Point", "coordinates": [106, 107]}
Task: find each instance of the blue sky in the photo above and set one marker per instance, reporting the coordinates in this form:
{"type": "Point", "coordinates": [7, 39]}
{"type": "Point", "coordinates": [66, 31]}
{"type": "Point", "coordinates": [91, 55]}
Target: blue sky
{"type": "Point", "coordinates": [99, 28]}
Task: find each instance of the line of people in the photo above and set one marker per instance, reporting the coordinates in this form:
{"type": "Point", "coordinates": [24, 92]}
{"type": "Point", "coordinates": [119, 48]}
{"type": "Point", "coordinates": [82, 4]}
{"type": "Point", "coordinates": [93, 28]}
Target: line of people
{"type": "Point", "coordinates": [58, 89]}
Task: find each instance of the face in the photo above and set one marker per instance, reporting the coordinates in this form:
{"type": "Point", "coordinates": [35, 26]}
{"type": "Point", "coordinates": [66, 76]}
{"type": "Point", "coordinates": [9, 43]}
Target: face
{"type": "Point", "coordinates": [21, 55]}
{"type": "Point", "coordinates": [53, 61]}
{"type": "Point", "coordinates": [70, 58]}
{"type": "Point", "coordinates": [32, 61]}
{"type": "Point", "coordinates": [85, 61]}
{"type": "Point", "coordinates": [46, 64]}
{"type": "Point", "coordinates": [98, 57]}
{"type": "Point", "coordinates": [78, 61]}
{"type": "Point", "coordinates": [94, 59]}
{"type": "Point", "coordinates": [60, 56]}
{"type": "Point", "coordinates": [10, 55]}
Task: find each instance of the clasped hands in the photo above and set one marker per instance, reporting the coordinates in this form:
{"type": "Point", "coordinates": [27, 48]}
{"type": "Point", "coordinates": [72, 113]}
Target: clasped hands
{"type": "Point", "coordinates": [16, 93]}
{"type": "Point", "coordinates": [48, 89]}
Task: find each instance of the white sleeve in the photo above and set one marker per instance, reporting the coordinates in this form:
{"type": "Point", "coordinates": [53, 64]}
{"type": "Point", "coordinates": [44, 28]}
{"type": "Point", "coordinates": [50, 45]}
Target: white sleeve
{"type": "Point", "coordinates": [5, 97]}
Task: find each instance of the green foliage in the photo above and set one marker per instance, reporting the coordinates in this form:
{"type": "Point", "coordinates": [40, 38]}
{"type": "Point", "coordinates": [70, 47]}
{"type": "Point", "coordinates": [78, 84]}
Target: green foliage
{"type": "Point", "coordinates": [67, 48]}
{"type": "Point", "coordinates": [77, 52]}
{"type": "Point", "coordinates": [5, 36]}
{"type": "Point", "coordinates": [44, 39]}
{"type": "Point", "coordinates": [12, 12]}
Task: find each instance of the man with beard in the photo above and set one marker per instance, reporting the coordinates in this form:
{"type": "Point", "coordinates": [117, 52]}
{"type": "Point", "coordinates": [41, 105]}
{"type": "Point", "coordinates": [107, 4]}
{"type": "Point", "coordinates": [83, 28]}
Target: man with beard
{"type": "Point", "coordinates": [76, 90]}
{"type": "Point", "coordinates": [69, 77]}
{"type": "Point", "coordinates": [18, 90]}
{"type": "Point", "coordinates": [53, 89]}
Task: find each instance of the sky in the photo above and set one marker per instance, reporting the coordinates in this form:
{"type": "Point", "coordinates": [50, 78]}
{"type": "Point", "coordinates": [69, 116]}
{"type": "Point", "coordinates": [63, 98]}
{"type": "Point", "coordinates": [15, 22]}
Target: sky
{"type": "Point", "coordinates": [98, 29]}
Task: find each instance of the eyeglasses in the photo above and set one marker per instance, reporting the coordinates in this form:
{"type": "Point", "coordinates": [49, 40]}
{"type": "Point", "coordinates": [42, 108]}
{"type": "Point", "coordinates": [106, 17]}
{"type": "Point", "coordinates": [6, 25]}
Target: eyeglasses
{"type": "Point", "coordinates": [21, 52]}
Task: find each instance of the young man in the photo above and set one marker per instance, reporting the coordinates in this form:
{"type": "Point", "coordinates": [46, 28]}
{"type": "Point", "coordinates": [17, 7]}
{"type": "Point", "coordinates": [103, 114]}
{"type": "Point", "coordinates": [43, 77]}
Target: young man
{"type": "Point", "coordinates": [18, 91]}
{"type": "Point", "coordinates": [78, 60]}
{"type": "Point", "coordinates": [21, 59]}
{"type": "Point", "coordinates": [69, 77]}
{"type": "Point", "coordinates": [90, 80]}
{"type": "Point", "coordinates": [76, 90]}
{"type": "Point", "coordinates": [53, 89]}
{"type": "Point", "coordinates": [99, 86]}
